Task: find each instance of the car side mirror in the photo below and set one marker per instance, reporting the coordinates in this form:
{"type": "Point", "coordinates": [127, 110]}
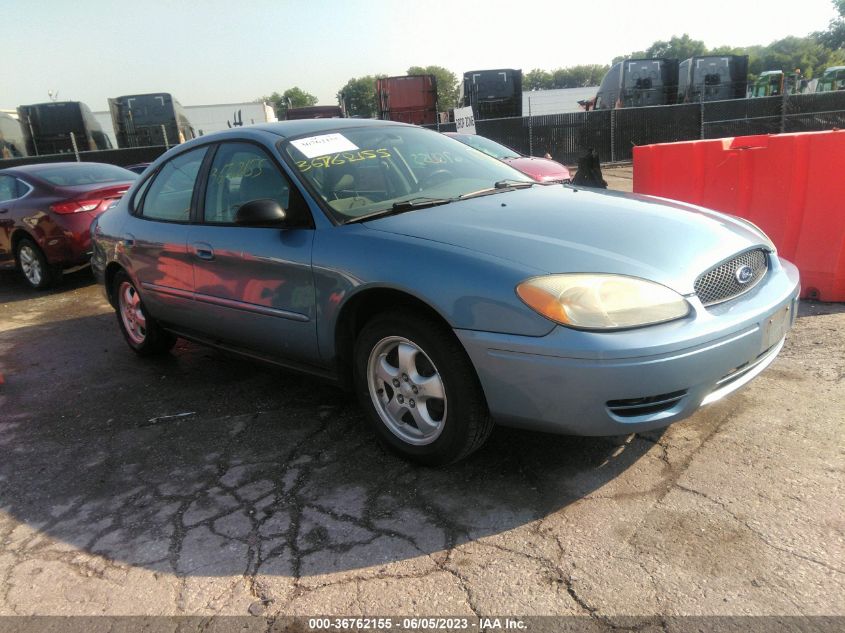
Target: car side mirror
{"type": "Point", "coordinates": [261, 212]}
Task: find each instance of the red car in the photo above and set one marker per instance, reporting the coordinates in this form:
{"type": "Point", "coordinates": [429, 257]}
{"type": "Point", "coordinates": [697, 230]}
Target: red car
{"type": "Point", "coordinates": [540, 169]}
{"type": "Point", "coordinates": [46, 213]}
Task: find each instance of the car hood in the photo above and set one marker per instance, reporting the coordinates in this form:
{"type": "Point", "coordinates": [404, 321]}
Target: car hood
{"type": "Point", "coordinates": [540, 169]}
{"type": "Point", "coordinates": [557, 229]}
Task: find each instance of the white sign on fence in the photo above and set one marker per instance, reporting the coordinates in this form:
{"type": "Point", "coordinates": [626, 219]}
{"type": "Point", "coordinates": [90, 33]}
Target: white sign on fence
{"type": "Point", "coordinates": [464, 121]}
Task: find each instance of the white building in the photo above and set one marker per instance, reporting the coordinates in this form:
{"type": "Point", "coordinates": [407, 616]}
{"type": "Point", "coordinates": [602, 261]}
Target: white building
{"type": "Point", "coordinates": [559, 101]}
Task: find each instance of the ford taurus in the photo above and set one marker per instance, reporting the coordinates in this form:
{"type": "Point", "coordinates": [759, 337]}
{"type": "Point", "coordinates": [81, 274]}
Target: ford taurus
{"type": "Point", "coordinates": [447, 289]}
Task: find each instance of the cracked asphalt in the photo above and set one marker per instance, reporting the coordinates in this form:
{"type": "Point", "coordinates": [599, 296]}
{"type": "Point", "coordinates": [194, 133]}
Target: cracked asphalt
{"type": "Point", "coordinates": [203, 484]}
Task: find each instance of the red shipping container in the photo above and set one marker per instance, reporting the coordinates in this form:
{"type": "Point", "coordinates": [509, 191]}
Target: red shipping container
{"type": "Point", "coordinates": [790, 185]}
{"type": "Point", "coordinates": [409, 99]}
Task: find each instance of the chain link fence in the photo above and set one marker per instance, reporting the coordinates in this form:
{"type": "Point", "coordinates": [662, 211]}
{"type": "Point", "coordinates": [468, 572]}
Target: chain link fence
{"type": "Point", "coordinates": [612, 133]}
{"type": "Point", "coordinates": [615, 133]}
{"type": "Point", "coordinates": [119, 157]}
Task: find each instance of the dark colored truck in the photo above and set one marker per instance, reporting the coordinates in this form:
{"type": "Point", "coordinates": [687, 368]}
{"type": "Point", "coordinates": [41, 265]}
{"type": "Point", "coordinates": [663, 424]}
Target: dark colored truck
{"type": "Point", "coordinates": [48, 126]}
{"type": "Point", "coordinates": [633, 83]}
{"type": "Point", "coordinates": [409, 99]}
{"type": "Point", "coordinates": [713, 78]}
{"type": "Point", "coordinates": [493, 94]}
{"type": "Point", "coordinates": [148, 120]}
{"type": "Point", "coordinates": [314, 112]}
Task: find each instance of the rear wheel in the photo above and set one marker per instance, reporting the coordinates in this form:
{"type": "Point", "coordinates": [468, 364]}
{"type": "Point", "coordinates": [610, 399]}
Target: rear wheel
{"type": "Point", "coordinates": [141, 331]}
{"type": "Point", "coordinates": [36, 270]}
{"type": "Point", "coordinates": [419, 388]}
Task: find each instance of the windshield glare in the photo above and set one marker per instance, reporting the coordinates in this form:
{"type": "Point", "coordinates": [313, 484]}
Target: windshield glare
{"type": "Point", "coordinates": [368, 169]}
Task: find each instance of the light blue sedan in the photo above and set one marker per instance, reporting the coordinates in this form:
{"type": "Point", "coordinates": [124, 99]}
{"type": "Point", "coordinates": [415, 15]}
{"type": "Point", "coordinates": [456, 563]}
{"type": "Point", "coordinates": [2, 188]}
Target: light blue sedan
{"type": "Point", "coordinates": [448, 290]}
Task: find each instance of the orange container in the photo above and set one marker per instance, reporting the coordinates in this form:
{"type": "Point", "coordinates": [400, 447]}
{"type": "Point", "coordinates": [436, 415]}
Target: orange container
{"type": "Point", "coordinates": [790, 185]}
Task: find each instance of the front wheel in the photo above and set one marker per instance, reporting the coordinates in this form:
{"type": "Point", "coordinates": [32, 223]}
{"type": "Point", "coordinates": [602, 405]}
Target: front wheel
{"type": "Point", "coordinates": [141, 331]}
{"type": "Point", "coordinates": [419, 388]}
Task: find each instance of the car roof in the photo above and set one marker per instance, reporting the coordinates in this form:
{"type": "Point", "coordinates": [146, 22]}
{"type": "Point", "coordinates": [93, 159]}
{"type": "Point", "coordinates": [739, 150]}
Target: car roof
{"type": "Point", "coordinates": [287, 129]}
{"type": "Point", "coordinates": [37, 167]}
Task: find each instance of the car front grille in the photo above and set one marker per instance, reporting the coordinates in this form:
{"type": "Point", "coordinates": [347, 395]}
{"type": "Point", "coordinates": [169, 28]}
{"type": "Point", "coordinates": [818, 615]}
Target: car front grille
{"type": "Point", "coordinates": [722, 283]}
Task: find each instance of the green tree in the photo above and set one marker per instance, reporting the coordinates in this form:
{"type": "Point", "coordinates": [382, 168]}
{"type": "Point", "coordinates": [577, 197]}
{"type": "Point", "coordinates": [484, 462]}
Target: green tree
{"type": "Point", "coordinates": [277, 101]}
{"type": "Point", "coordinates": [298, 98]}
{"type": "Point", "coordinates": [291, 98]}
{"type": "Point", "coordinates": [447, 84]}
{"type": "Point", "coordinates": [680, 48]}
{"type": "Point", "coordinates": [834, 37]}
{"type": "Point", "coordinates": [537, 79]}
{"type": "Point", "coordinates": [580, 76]}
{"type": "Point", "coordinates": [359, 96]}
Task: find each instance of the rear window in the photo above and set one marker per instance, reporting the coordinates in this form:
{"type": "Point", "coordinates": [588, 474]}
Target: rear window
{"type": "Point", "coordinates": [84, 174]}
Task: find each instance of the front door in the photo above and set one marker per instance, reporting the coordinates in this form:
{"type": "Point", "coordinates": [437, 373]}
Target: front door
{"type": "Point", "coordinates": [253, 285]}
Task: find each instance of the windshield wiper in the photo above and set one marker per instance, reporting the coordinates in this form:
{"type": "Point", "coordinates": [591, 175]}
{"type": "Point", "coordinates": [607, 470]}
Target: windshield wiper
{"type": "Point", "coordinates": [514, 184]}
{"type": "Point", "coordinates": [402, 206]}
{"type": "Point", "coordinates": [498, 187]}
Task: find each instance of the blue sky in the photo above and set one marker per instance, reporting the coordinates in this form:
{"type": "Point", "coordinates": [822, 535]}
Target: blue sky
{"type": "Point", "coordinates": [224, 51]}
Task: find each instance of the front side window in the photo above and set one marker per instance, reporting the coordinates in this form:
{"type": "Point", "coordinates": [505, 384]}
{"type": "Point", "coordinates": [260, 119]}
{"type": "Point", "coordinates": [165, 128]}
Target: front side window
{"type": "Point", "coordinates": [169, 195]}
{"type": "Point", "coordinates": [366, 170]}
{"type": "Point", "coordinates": [242, 172]}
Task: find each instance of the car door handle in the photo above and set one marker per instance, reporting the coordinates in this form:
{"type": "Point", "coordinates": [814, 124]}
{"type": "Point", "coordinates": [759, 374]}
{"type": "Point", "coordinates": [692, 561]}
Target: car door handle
{"type": "Point", "coordinates": [4, 210]}
{"type": "Point", "coordinates": [129, 240]}
{"type": "Point", "coordinates": [203, 251]}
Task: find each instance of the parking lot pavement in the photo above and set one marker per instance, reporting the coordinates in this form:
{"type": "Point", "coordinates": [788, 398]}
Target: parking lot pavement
{"type": "Point", "coordinates": [205, 484]}
{"type": "Point", "coordinates": [619, 177]}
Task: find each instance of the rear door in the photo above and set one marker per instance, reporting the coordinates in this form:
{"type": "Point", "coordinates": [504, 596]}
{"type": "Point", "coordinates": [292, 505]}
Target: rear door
{"type": "Point", "coordinates": [253, 285]}
{"type": "Point", "coordinates": [156, 235]}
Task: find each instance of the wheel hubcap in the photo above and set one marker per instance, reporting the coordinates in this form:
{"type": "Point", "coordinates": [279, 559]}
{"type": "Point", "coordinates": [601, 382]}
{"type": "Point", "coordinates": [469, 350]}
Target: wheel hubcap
{"type": "Point", "coordinates": [30, 265]}
{"type": "Point", "coordinates": [407, 390]}
{"type": "Point", "coordinates": [131, 313]}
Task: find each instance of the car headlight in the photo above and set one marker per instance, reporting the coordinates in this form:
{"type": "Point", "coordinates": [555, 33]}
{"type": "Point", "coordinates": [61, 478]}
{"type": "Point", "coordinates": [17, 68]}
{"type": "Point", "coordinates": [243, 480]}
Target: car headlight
{"type": "Point", "coordinates": [601, 301]}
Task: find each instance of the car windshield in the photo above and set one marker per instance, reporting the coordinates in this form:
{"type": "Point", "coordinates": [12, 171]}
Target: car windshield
{"type": "Point", "coordinates": [367, 170]}
{"type": "Point", "coordinates": [84, 174]}
{"type": "Point", "coordinates": [491, 148]}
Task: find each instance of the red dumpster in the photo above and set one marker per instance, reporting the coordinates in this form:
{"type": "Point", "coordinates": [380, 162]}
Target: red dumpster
{"type": "Point", "coordinates": [790, 185]}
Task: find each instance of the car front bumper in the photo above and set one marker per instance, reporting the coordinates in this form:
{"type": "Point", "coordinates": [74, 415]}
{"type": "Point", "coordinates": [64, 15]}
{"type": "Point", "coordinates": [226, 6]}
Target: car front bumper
{"type": "Point", "coordinates": [610, 383]}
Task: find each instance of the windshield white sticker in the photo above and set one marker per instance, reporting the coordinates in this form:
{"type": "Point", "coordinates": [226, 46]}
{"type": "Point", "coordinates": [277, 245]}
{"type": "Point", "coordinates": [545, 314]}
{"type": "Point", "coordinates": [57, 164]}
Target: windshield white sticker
{"type": "Point", "coordinates": [314, 146]}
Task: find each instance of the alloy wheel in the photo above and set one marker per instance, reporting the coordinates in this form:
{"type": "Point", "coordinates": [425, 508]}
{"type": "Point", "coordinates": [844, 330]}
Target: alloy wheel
{"type": "Point", "coordinates": [30, 265]}
{"type": "Point", "coordinates": [407, 390]}
{"type": "Point", "coordinates": [131, 313]}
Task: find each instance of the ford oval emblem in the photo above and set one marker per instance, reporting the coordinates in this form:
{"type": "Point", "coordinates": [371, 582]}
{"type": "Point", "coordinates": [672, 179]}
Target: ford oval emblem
{"type": "Point", "coordinates": [744, 274]}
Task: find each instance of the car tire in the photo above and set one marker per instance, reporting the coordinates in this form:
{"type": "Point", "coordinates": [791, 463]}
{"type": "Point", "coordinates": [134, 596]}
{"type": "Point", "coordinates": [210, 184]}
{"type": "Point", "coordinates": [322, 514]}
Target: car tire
{"type": "Point", "coordinates": [37, 271]}
{"type": "Point", "coordinates": [142, 332]}
{"type": "Point", "coordinates": [426, 361]}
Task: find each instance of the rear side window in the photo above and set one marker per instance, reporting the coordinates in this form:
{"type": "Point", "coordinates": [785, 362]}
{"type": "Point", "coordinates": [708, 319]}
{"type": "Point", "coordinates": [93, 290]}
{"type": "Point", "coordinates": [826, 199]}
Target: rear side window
{"type": "Point", "coordinates": [7, 189]}
{"type": "Point", "coordinates": [169, 195]}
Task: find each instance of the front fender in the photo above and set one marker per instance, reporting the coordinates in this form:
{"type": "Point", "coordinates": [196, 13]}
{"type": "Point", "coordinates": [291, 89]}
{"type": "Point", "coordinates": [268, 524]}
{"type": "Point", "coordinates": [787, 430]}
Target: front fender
{"type": "Point", "coordinates": [470, 290]}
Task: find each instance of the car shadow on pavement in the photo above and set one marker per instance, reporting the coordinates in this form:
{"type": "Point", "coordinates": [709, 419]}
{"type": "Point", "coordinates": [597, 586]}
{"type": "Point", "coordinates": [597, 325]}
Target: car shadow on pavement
{"type": "Point", "coordinates": [203, 464]}
{"type": "Point", "coordinates": [16, 289]}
